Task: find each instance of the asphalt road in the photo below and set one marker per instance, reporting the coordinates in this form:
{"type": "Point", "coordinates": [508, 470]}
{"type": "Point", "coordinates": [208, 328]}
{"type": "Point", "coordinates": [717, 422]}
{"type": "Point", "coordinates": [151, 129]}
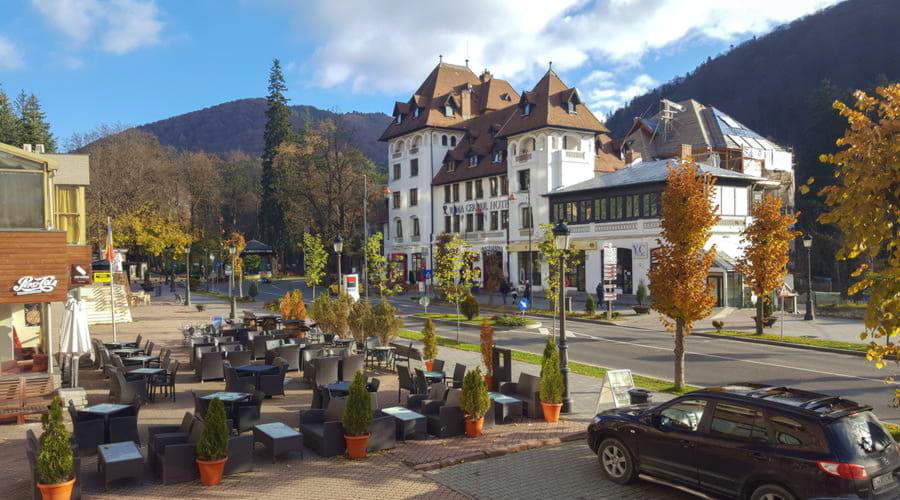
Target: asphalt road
{"type": "Point", "coordinates": [708, 361]}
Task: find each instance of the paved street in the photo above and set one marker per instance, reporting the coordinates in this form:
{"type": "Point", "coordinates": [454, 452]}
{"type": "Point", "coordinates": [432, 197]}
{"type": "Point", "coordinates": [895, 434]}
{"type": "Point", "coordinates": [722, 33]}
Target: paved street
{"type": "Point", "coordinates": [566, 471]}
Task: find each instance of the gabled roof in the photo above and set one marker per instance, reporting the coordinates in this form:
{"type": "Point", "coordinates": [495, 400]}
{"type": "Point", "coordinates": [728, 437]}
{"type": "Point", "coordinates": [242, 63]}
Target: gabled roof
{"type": "Point", "coordinates": [649, 172]}
{"type": "Point", "coordinates": [480, 141]}
{"type": "Point", "coordinates": [549, 97]}
{"type": "Point", "coordinates": [256, 247]}
{"type": "Point", "coordinates": [446, 84]}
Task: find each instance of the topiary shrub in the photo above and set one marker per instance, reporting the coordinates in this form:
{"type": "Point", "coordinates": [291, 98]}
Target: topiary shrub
{"type": "Point", "coordinates": [549, 348]}
{"type": "Point", "coordinates": [474, 399]}
{"type": "Point", "coordinates": [429, 338]}
{"type": "Point", "coordinates": [254, 290]}
{"type": "Point", "coordinates": [590, 306]}
{"type": "Point", "coordinates": [551, 379]}
{"type": "Point", "coordinates": [55, 460]}
{"type": "Point", "coordinates": [487, 347]}
{"type": "Point", "coordinates": [469, 307]}
{"type": "Point", "coordinates": [213, 443]}
{"type": "Point", "coordinates": [768, 308]}
{"type": "Point", "coordinates": [718, 325]}
{"type": "Point", "coordinates": [509, 320]}
{"type": "Point", "coordinates": [360, 320]}
{"type": "Point", "coordinates": [386, 322]}
{"type": "Point", "coordinates": [641, 293]}
{"type": "Point", "coordinates": [358, 410]}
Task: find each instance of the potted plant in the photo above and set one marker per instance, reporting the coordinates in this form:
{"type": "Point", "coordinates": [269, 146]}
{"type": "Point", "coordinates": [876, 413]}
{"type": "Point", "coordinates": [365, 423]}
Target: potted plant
{"type": "Point", "coordinates": [430, 340]}
{"type": "Point", "coordinates": [641, 297]}
{"type": "Point", "coordinates": [212, 448]}
{"type": "Point", "coordinates": [487, 352]}
{"type": "Point", "coordinates": [55, 459]}
{"type": "Point", "coordinates": [551, 383]}
{"type": "Point", "coordinates": [357, 418]}
{"type": "Point", "coordinates": [590, 307]}
{"type": "Point", "coordinates": [474, 402]}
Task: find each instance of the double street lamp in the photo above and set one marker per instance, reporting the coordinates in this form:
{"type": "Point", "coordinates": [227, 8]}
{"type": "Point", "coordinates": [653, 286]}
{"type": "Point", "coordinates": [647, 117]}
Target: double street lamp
{"type": "Point", "coordinates": [232, 250]}
{"type": "Point", "coordinates": [810, 315]}
{"type": "Point", "coordinates": [338, 248]}
{"type": "Point", "coordinates": [561, 239]}
{"type": "Point", "coordinates": [187, 272]}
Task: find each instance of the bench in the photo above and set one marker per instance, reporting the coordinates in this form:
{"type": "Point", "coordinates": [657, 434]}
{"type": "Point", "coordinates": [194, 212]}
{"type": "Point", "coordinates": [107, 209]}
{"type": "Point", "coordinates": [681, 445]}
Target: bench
{"type": "Point", "coordinates": [23, 396]}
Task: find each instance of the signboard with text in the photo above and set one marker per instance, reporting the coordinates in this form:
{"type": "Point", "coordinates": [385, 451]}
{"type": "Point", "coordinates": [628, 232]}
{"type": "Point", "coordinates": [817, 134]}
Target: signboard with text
{"type": "Point", "coordinates": [610, 271]}
{"type": "Point", "coordinates": [81, 274]}
{"type": "Point", "coordinates": [102, 277]}
{"type": "Point", "coordinates": [614, 388]}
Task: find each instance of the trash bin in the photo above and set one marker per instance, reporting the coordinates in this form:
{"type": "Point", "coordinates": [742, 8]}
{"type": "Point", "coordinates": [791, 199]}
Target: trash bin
{"type": "Point", "coordinates": [639, 396]}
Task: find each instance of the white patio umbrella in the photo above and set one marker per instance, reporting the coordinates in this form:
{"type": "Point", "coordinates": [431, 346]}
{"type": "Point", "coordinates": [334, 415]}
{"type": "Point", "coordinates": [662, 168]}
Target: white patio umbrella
{"type": "Point", "coordinates": [76, 338]}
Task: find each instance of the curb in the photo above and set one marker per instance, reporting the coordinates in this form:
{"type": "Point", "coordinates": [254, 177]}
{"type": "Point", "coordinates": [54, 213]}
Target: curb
{"type": "Point", "coordinates": [499, 452]}
{"type": "Point", "coordinates": [805, 347]}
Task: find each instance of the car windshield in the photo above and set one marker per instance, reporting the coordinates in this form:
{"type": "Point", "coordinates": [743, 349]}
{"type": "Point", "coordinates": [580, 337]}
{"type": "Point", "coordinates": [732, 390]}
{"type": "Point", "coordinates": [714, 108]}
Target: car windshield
{"type": "Point", "coordinates": [862, 434]}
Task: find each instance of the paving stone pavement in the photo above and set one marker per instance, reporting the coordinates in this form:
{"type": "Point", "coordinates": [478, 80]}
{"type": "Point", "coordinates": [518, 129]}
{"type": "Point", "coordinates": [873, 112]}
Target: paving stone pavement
{"type": "Point", "coordinates": [567, 471]}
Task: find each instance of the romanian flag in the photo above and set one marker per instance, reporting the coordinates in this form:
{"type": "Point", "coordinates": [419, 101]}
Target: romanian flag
{"type": "Point", "coordinates": [109, 242]}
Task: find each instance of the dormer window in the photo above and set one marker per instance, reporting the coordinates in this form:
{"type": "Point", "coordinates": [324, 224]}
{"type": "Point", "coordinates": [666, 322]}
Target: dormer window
{"type": "Point", "coordinates": [526, 109]}
{"type": "Point", "coordinates": [399, 118]}
{"type": "Point", "coordinates": [473, 161]}
{"type": "Point", "coordinates": [451, 166]}
{"type": "Point", "coordinates": [416, 112]}
{"type": "Point", "coordinates": [498, 156]}
{"type": "Point", "coordinates": [453, 141]}
{"type": "Point", "coordinates": [571, 107]}
{"type": "Point", "coordinates": [448, 110]}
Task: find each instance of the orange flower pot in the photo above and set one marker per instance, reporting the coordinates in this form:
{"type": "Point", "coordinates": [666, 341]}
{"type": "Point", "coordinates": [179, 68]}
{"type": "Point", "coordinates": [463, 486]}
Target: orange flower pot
{"type": "Point", "coordinates": [356, 446]}
{"type": "Point", "coordinates": [474, 427]}
{"type": "Point", "coordinates": [551, 411]}
{"type": "Point", "coordinates": [429, 364]}
{"type": "Point", "coordinates": [211, 471]}
{"type": "Point", "coordinates": [487, 380]}
{"type": "Point", "coordinates": [58, 491]}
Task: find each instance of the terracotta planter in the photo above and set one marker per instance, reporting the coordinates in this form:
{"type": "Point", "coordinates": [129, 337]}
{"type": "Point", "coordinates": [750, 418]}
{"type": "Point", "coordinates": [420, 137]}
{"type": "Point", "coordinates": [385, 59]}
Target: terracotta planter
{"type": "Point", "coordinates": [356, 446]}
{"type": "Point", "coordinates": [58, 491]}
{"type": "Point", "coordinates": [211, 471]}
{"type": "Point", "coordinates": [429, 364]}
{"type": "Point", "coordinates": [474, 427]}
{"type": "Point", "coordinates": [551, 411]}
{"type": "Point", "coordinates": [488, 379]}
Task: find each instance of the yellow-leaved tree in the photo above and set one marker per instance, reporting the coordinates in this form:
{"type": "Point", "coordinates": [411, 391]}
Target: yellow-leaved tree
{"type": "Point", "coordinates": [765, 259]}
{"type": "Point", "coordinates": [864, 204]}
{"type": "Point", "coordinates": [678, 282]}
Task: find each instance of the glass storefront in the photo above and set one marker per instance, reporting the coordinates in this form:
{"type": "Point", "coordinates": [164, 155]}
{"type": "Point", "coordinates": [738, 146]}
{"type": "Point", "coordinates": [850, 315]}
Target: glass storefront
{"type": "Point", "coordinates": [523, 263]}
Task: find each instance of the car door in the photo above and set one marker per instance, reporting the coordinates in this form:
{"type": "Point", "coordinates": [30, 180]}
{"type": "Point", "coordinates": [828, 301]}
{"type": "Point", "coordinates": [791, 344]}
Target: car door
{"type": "Point", "coordinates": [734, 446]}
{"type": "Point", "coordinates": [666, 446]}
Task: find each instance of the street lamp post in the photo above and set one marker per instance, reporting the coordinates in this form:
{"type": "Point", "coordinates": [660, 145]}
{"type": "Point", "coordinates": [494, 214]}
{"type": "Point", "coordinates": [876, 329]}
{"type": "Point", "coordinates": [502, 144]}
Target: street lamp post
{"type": "Point", "coordinates": [338, 248]}
{"type": "Point", "coordinates": [187, 273]}
{"type": "Point", "coordinates": [810, 315]}
{"type": "Point", "coordinates": [561, 238]}
{"type": "Point", "coordinates": [231, 251]}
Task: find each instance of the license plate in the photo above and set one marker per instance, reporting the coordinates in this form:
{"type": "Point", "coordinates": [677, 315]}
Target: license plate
{"type": "Point", "coordinates": [882, 481]}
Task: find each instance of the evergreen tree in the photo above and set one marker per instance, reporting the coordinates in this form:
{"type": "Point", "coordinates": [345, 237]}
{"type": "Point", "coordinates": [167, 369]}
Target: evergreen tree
{"type": "Point", "coordinates": [277, 131]}
{"type": "Point", "coordinates": [9, 124]}
{"type": "Point", "coordinates": [33, 126]}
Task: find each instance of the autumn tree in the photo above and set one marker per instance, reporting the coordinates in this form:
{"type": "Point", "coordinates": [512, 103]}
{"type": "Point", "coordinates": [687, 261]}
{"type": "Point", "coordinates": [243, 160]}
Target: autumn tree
{"type": "Point", "coordinates": [864, 204]}
{"type": "Point", "coordinates": [454, 270]}
{"type": "Point", "coordinates": [678, 284]}
{"type": "Point", "coordinates": [768, 239]}
{"type": "Point", "coordinates": [316, 259]}
{"type": "Point", "coordinates": [377, 273]}
{"type": "Point", "coordinates": [550, 254]}
{"type": "Point", "coordinates": [240, 175]}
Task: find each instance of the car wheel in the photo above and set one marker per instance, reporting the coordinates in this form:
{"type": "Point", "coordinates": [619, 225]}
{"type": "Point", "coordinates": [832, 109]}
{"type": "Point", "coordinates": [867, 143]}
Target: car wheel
{"type": "Point", "coordinates": [616, 461]}
{"type": "Point", "coordinates": [772, 492]}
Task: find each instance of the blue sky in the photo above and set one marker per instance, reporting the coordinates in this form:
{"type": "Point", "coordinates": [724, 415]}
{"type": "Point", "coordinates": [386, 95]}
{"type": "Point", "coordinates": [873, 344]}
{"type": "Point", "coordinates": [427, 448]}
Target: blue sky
{"type": "Point", "coordinates": [137, 61]}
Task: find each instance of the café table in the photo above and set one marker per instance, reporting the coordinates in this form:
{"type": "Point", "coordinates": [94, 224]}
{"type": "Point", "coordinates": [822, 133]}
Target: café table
{"type": "Point", "coordinates": [383, 354]}
{"type": "Point", "coordinates": [125, 352]}
{"type": "Point", "coordinates": [147, 373]}
{"type": "Point", "coordinates": [435, 376]}
{"type": "Point", "coordinates": [144, 359]}
{"type": "Point", "coordinates": [257, 371]}
{"type": "Point", "coordinates": [505, 407]}
{"type": "Point", "coordinates": [409, 423]}
{"type": "Point", "coordinates": [120, 460]}
{"type": "Point", "coordinates": [278, 438]}
{"type": "Point", "coordinates": [227, 397]}
{"type": "Point", "coordinates": [338, 388]}
{"type": "Point", "coordinates": [107, 410]}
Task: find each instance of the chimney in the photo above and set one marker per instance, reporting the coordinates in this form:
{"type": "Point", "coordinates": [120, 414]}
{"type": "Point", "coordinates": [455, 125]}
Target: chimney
{"type": "Point", "coordinates": [685, 151]}
{"type": "Point", "coordinates": [632, 156]}
{"type": "Point", "coordinates": [39, 148]}
{"type": "Point", "coordinates": [27, 147]}
{"type": "Point", "coordinates": [486, 76]}
{"type": "Point", "coordinates": [465, 101]}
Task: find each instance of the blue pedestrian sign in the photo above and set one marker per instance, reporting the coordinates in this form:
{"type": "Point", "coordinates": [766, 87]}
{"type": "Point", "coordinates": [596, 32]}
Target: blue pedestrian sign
{"type": "Point", "coordinates": [523, 304]}
{"type": "Point", "coordinates": [428, 274]}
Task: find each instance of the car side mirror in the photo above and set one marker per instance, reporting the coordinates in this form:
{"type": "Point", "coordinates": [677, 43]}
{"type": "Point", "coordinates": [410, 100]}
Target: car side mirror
{"type": "Point", "coordinates": [650, 418]}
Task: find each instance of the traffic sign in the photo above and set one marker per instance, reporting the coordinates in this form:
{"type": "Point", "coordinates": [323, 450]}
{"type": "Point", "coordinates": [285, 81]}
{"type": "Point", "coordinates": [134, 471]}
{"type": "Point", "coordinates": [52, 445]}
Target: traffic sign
{"type": "Point", "coordinates": [784, 291]}
{"type": "Point", "coordinates": [424, 301]}
{"type": "Point", "coordinates": [428, 273]}
{"type": "Point", "coordinates": [523, 304]}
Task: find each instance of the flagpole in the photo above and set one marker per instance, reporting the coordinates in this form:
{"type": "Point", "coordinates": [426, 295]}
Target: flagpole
{"type": "Point", "coordinates": [110, 255]}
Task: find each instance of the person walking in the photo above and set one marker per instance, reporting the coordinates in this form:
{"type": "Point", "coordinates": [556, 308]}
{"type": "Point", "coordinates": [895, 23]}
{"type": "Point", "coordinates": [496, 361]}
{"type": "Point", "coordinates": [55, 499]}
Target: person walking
{"type": "Point", "coordinates": [504, 288]}
{"type": "Point", "coordinates": [600, 294]}
{"type": "Point", "coordinates": [528, 291]}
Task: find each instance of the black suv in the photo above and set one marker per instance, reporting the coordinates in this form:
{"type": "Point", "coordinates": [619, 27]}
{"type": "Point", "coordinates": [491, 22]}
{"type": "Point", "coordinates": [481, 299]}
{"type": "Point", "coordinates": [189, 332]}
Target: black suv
{"type": "Point", "coordinates": [751, 441]}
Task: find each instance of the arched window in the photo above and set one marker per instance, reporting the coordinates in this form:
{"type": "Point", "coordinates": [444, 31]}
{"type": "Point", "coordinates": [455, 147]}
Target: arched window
{"type": "Point", "coordinates": [533, 144]}
{"type": "Point", "coordinates": [443, 140]}
{"type": "Point", "coordinates": [398, 146]}
{"type": "Point", "coordinates": [398, 232]}
{"type": "Point", "coordinates": [453, 141]}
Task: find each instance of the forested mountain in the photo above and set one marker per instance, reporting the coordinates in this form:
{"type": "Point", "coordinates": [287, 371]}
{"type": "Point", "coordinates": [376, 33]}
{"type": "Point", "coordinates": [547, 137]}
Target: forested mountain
{"type": "Point", "coordinates": [783, 84]}
{"type": "Point", "coordinates": [238, 126]}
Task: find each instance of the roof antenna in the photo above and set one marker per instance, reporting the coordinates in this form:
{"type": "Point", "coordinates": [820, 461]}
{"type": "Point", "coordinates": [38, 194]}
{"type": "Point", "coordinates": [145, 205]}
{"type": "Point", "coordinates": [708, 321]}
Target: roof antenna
{"type": "Point", "coordinates": [551, 66]}
{"type": "Point", "coordinates": [440, 58]}
{"type": "Point", "coordinates": [467, 53]}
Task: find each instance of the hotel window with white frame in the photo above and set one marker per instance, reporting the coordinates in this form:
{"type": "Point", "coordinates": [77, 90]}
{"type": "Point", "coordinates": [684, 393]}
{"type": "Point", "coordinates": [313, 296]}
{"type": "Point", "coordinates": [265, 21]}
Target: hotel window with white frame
{"type": "Point", "coordinates": [456, 192]}
{"type": "Point", "coordinates": [526, 218]}
{"type": "Point", "coordinates": [494, 184]}
{"type": "Point", "coordinates": [469, 191]}
{"type": "Point", "coordinates": [443, 140]}
{"type": "Point", "coordinates": [413, 197]}
{"type": "Point", "coordinates": [396, 171]}
{"type": "Point", "coordinates": [473, 161]}
{"type": "Point", "coordinates": [504, 185]}
{"type": "Point", "coordinates": [526, 109]}
{"type": "Point", "coordinates": [451, 166]}
{"type": "Point", "coordinates": [447, 224]}
{"type": "Point", "coordinates": [396, 196]}
{"type": "Point", "coordinates": [414, 167]}
{"type": "Point", "coordinates": [498, 156]}
{"type": "Point", "coordinates": [415, 224]}
{"type": "Point", "coordinates": [448, 110]}
{"type": "Point", "coordinates": [479, 221]}
{"type": "Point", "coordinates": [447, 194]}
{"type": "Point", "coordinates": [470, 223]}
{"type": "Point", "coordinates": [524, 180]}
{"type": "Point", "coordinates": [456, 223]}
{"type": "Point", "coordinates": [571, 107]}
{"type": "Point", "coordinates": [398, 231]}
{"type": "Point", "coordinates": [495, 220]}
{"type": "Point", "coordinates": [504, 219]}
{"type": "Point", "coordinates": [479, 189]}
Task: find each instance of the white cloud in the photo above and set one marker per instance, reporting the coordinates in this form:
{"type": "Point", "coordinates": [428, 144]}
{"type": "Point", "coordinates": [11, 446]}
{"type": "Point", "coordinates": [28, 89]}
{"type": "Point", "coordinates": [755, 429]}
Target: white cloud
{"type": "Point", "coordinates": [116, 26]}
{"type": "Point", "coordinates": [606, 97]}
{"type": "Point", "coordinates": [389, 46]}
{"type": "Point", "coordinates": [10, 58]}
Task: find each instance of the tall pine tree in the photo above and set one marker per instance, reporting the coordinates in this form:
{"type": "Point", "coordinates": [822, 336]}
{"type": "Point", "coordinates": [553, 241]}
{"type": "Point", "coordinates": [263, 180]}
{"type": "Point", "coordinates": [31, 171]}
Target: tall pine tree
{"type": "Point", "coordinates": [278, 130]}
{"type": "Point", "coordinates": [9, 124]}
{"type": "Point", "coordinates": [33, 126]}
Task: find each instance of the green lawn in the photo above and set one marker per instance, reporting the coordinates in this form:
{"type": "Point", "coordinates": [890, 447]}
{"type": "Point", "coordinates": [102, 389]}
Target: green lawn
{"type": "Point", "coordinates": [834, 344]}
{"type": "Point", "coordinates": [650, 383]}
{"type": "Point", "coordinates": [476, 321]}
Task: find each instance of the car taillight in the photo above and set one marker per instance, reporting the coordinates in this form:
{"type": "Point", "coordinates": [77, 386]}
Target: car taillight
{"type": "Point", "coordinates": [844, 471]}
